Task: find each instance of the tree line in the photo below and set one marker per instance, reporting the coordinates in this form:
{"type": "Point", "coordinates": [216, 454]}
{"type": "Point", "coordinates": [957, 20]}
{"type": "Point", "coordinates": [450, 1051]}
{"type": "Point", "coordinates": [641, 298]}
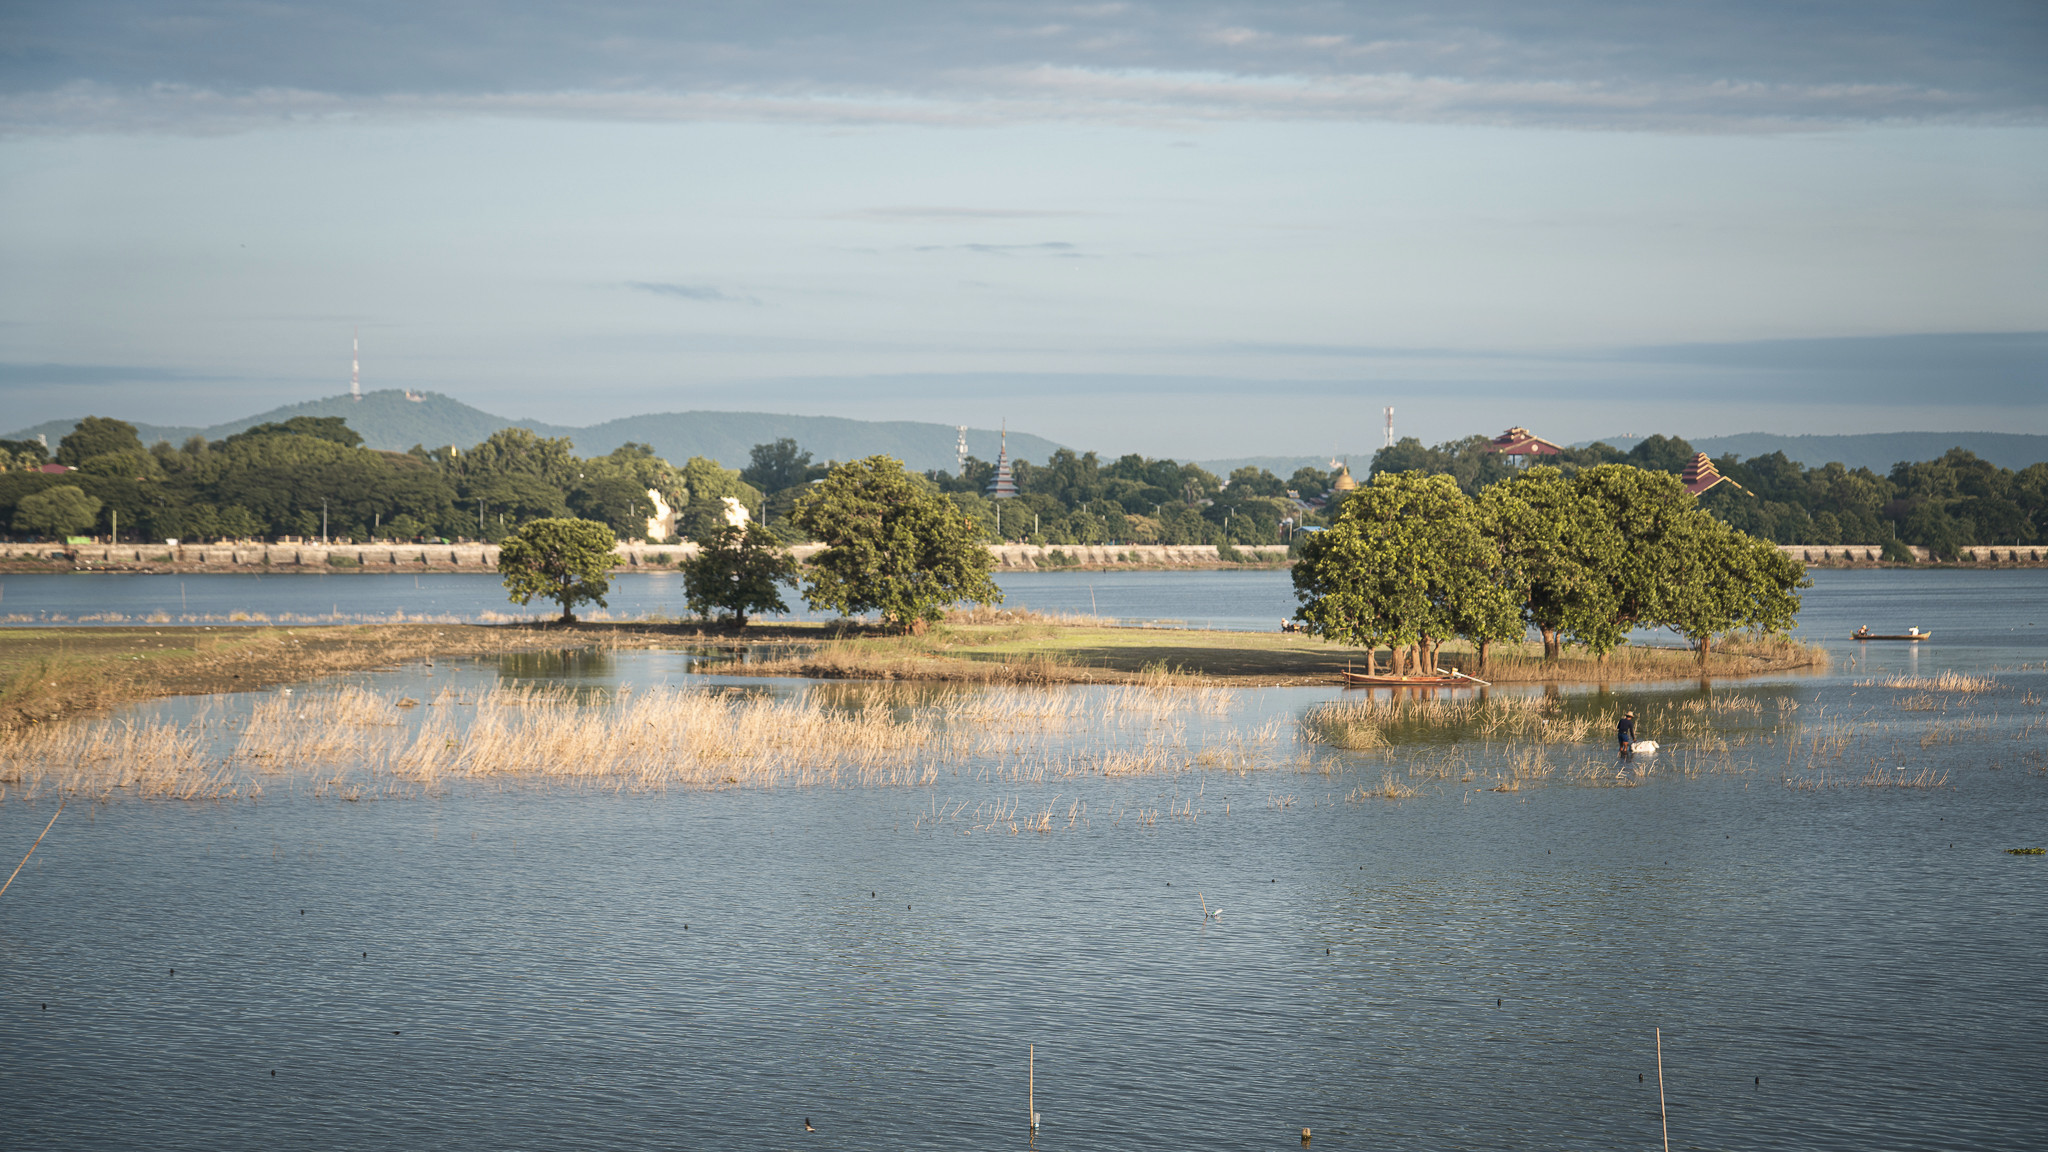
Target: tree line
{"type": "Point", "coordinates": [1943, 505]}
{"type": "Point", "coordinates": [1411, 560]}
{"type": "Point", "coordinates": [311, 475]}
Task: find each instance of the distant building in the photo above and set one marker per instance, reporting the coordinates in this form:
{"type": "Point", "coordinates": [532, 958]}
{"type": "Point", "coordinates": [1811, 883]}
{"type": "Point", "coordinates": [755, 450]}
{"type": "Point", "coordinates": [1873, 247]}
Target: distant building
{"type": "Point", "coordinates": [1701, 475]}
{"type": "Point", "coordinates": [1004, 486]}
{"type": "Point", "coordinates": [1343, 482]}
{"type": "Point", "coordinates": [1519, 444]}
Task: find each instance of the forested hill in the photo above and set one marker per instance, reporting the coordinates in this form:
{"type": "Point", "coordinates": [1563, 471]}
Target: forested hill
{"type": "Point", "coordinates": [389, 420]}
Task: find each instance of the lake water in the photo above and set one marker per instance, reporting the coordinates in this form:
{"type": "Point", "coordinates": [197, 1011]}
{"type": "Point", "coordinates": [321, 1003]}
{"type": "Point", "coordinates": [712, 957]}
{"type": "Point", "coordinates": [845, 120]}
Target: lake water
{"type": "Point", "coordinates": [1835, 961]}
{"type": "Point", "coordinates": [1982, 618]}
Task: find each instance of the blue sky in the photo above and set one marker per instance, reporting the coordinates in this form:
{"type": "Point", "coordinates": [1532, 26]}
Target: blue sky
{"type": "Point", "coordinates": [1191, 230]}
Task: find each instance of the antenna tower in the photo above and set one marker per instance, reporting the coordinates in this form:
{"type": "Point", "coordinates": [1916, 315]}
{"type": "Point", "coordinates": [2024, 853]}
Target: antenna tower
{"type": "Point", "coordinates": [960, 453]}
{"type": "Point", "coordinates": [355, 366]}
{"type": "Point", "coordinates": [1390, 427]}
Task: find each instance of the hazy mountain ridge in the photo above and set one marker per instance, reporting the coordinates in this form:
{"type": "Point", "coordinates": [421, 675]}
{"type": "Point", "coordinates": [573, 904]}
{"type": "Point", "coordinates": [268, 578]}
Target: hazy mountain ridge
{"type": "Point", "coordinates": [387, 419]}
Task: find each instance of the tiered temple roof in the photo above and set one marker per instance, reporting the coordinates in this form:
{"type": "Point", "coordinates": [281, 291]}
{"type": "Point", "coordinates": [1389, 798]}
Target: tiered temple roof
{"type": "Point", "coordinates": [1004, 486]}
{"type": "Point", "coordinates": [1701, 475]}
{"type": "Point", "coordinates": [1522, 442]}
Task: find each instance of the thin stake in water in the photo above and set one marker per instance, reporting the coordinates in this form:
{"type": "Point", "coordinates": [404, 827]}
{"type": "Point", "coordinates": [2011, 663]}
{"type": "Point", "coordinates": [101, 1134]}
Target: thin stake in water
{"type": "Point", "coordinates": [32, 848]}
{"type": "Point", "coordinates": [1663, 1113]}
{"type": "Point", "coordinates": [1031, 1083]}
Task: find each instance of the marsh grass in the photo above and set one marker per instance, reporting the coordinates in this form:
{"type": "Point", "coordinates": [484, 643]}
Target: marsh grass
{"type": "Point", "coordinates": [1383, 722]}
{"type": "Point", "coordinates": [1945, 682]}
{"type": "Point", "coordinates": [353, 743]}
{"type": "Point", "coordinates": [1741, 655]}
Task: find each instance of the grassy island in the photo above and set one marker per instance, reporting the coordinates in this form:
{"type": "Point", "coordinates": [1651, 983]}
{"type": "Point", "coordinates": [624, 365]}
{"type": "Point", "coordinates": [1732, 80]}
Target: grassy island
{"type": "Point", "coordinates": [48, 673]}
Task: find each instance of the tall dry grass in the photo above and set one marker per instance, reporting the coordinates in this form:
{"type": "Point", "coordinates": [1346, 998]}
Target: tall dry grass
{"type": "Point", "coordinates": [145, 758]}
{"type": "Point", "coordinates": [1945, 682]}
{"type": "Point", "coordinates": [356, 743]}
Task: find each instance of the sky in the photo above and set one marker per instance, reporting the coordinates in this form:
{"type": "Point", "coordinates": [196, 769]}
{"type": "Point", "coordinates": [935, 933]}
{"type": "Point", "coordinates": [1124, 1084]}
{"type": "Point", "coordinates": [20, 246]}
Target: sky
{"type": "Point", "coordinates": [1190, 230]}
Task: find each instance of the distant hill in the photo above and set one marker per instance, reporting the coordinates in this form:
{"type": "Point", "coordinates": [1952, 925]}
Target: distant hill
{"type": "Point", "coordinates": [1877, 451]}
{"type": "Point", "coordinates": [389, 419]}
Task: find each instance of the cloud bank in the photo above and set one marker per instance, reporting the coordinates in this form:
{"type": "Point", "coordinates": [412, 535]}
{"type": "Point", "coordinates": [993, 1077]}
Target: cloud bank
{"type": "Point", "coordinates": [1750, 65]}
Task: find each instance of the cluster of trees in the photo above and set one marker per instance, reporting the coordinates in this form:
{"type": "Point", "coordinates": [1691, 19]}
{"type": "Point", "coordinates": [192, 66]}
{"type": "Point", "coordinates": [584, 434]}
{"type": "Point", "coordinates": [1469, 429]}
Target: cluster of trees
{"type": "Point", "coordinates": [1074, 498]}
{"type": "Point", "coordinates": [893, 545]}
{"type": "Point", "coordinates": [287, 479]}
{"type": "Point", "coordinates": [1411, 559]}
{"type": "Point", "coordinates": [1942, 505]}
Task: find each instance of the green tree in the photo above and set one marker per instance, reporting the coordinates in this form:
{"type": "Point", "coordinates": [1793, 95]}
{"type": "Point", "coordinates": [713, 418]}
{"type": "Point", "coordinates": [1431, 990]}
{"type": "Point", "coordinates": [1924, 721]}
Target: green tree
{"type": "Point", "coordinates": [614, 489]}
{"type": "Point", "coordinates": [708, 484]}
{"type": "Point", "coordinates": [1405, 563]}
{"type": "Point", "coordinates": [56, 512]}
{"type": "Point", "coordinates": [1640, 516]}
{"type": "Point", "coordinates": [1722, 580]}
{"type": "Point", "coordinates": [1660, 453]}
{"type": "Point", "coordinates": [893, 545]}
{"type": "Point", "coordinates": [738, 571]}
{"type": "Point", "coordinates": [26, 455]}
{"type": "Point", "coordinates": [773, 468]}
{"type": "Point", "coordinates": [97, 436]}
{"type": "Point", "coordinates": [334, 429]}
{"type": "Point", "coordinates": [1555, 548]}
{"type": "Point", "coordinates": [564, 560]}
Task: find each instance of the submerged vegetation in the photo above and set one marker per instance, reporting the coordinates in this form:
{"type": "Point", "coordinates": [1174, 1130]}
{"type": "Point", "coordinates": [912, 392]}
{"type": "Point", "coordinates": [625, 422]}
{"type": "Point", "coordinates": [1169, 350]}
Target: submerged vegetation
{"type": "Point", "coordinates": [351, 743]}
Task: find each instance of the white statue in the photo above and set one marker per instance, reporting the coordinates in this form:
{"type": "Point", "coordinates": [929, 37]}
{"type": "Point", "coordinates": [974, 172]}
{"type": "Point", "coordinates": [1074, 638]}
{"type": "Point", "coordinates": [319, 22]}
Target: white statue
{"type": "Point", "coordinates": [662, 524]}
{"type": "Point", "coordinates": [735, 512]}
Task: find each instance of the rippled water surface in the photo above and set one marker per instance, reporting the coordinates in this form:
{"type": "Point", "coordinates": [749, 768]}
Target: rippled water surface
{"type": "Point", "coordinates": [1835, 961]}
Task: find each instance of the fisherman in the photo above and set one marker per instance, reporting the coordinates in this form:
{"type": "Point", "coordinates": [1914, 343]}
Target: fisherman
{"type": "Point", "coordinates": [1626, 730]}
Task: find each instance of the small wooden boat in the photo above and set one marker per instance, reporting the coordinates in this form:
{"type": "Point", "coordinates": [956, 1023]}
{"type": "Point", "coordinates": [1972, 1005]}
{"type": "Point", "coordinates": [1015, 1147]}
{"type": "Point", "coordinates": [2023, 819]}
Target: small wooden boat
{"type": "Point", "coordinates": [1364, 680]}
{"type": "Point", "coordinates": [1862, 635]}
{"type": "Point", "coordinates": [1444, 677]}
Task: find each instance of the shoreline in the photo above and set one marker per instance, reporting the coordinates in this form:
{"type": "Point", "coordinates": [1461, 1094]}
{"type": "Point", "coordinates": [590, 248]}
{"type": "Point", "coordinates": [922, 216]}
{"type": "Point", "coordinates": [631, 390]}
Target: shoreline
{"type": "Point", "coordinates": [292, 558]}
{"type": "Point", "coordinates": [411, 559]}
{"type": "Point", "coordinates": [49, 673]}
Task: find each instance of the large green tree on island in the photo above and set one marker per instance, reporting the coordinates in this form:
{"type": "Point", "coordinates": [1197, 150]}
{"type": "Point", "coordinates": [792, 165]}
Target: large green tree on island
{"type": "Point", "coordinates": [564, 560]}
{"type": "Point", "coordinates": [1557, 553]}
{"type": "Point", "coordinates": [1406, 564]}
{"type": "Point", "coordinates": [738, 570]}
{"type": "Point", "coordinates": [894, 545]}
{"type": "Point", "coordinates": [1410, 560]}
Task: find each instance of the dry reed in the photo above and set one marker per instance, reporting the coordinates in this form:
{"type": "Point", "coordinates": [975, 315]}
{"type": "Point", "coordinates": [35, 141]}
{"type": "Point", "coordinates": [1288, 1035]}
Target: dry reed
{"type": "Point", "coordinates": [1945, 682]}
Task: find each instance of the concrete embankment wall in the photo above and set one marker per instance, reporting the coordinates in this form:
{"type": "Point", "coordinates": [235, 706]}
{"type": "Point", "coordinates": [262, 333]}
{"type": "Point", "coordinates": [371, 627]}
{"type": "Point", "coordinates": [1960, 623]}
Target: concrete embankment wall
{"type": "Point", "coordinates": [245, 557]}
{"type": "Point", "coordinates": [1870, 555]}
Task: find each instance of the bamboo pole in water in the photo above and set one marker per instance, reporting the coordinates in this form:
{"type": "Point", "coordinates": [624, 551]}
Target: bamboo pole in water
{"type": "Point", "coordinates": [1031, 1084]}
{"type": "Point", "coordinates": [32, 848]}
{"type": "Point", "coordinates": [1663, 1113]}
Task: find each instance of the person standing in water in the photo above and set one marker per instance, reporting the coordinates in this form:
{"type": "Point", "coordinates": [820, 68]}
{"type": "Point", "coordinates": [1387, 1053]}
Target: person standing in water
{"type": "Point", "coordinates": [1626, 730]}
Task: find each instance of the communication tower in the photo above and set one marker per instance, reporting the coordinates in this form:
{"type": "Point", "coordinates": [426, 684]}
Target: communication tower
{"type": "Point", "coordinates": [1390, 428]}
{"type": "Point", "coordinates": [960, 453]}
{"type": "Point", "coordinates": [355, 366]}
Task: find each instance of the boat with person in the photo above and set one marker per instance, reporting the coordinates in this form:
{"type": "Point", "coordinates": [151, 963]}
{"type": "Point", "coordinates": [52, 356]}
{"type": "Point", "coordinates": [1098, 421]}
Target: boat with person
{"type": "Point", "coordinates": [1864, 633]}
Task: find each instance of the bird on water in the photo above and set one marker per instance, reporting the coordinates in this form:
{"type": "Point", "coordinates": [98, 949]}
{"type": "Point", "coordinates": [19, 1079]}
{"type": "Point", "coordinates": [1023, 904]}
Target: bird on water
{"type": "Point", "coordinates": [807, 1125]}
